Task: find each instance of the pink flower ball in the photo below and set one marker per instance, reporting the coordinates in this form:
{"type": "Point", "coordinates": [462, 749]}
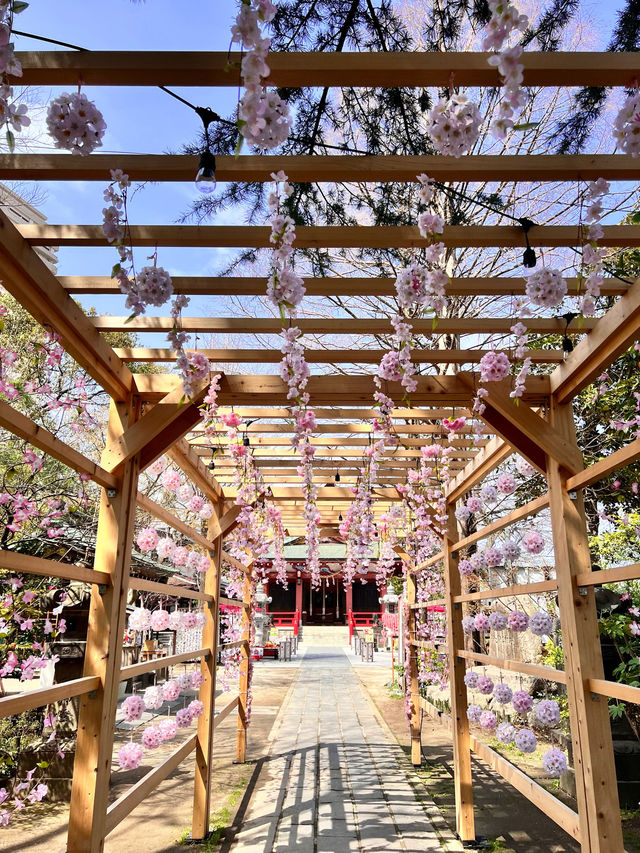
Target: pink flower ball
{"type": "Point", "coordinates": [139, 619]}
{"type": "Point", "coordinates": [463, 513]}
{"type": "Point", "coordinates": [547, 712]}
{"type": "Point", "coordinates": [474, 712]}
{"type": "Point", "coordinates": [184, 718]}
{"type": "Point", "coordinates": [510, 550]}
{"type": "Point", "coordinates": [180, 555]}
{"type": "Point", "coordinates": [485, 685]}
{"type": "Point", "coordinates": [175, 620]}
{"type": "Point", "coordinates": [524, 468]}
{"type": "Point", "coordinates": [546, 287]}
{"type": "Point", "coordinates": [193, 561]}
{"type": "Point", "coordinates": [156, 468]}
{"type": "Point", "coordinates": [168, 728]}
{"type": "Point", "coordinates": [197, 680]}
{"type": "Point", "coordinates": [474, 504]}
{"type": "Point", "coordinates": [503, 693]}
{"type": "Point", "coordinates": [471, 679]}
{"type": "Point", "coordinates": [153, 698]}
{"type": "Point", "coordinates": [196, 707]}
{"type": "Point", "coordinates": [170, 691]}
{"type": "Point", "coordinates": [171, 480]}
{"type": "Point", "coordinates": [540, 623]}
{"type": "Point", "coordinates": [132, 708]}
{"type": "Point", "coordinates": [185, 493]}
{"type": "Point", "coordinates": [184, 681]}
{"type": "Point", "coordinates": [493, 556]}
{"type": "Point", "coordinates": [159, 620]}
{"type": "Point", "coordinates": [494, 366]}
{"type": "Point", "coordinates": [151, 737]}
{"type": "Point", "coordinates": [489, 494]}
{"type": "Point", "coordinates": [165, 548]}
{"type": "Point", "coordinates": [200, 619]}
{"type": "Point", "coordinates": [517, 621]}
{"type": "Point", "coordinates": [506, 484]}
{"type": "Point", "coordinates": [468, 624]}
{"type": "Point", "coordinates": [522, 702]}
{"type": "Point", "coordinates": [481, 622]}
{"type": "Point", "coordinates": [505, 733]}
{"type": "Point", "coordinates": [497, 621]}
{"type": "Point", "coordinates": [488, 720]}
{"type": "Point", "coordinates": [533, 542]}
{"type": "Point", "coordinates": [554, 762]}
{"type": "Point", "coordinates": [207, 511]}
{"type": "Point", "coordinates": [189, 620]}
{"type": "Point", "coordinates": [478, 561]}
{"type": "Point", "coordinates": [465, 567]}
{"type": "Point", "coordinates": [204, 564]}
{"type": "Point", "coordinates": [526, 741]}
{"type": "Point", "coordinates": [130, 756]}
{"type": "Point", "coordinates": [196, 503]}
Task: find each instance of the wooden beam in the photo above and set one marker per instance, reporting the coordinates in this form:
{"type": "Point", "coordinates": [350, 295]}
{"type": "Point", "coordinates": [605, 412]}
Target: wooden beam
{"type": "Point", "coordinates": [412, 686]}
{"type": "Point", "coordinates": [135, 669]}
{"type": "Point", "coordinates": [614, 690]}
{"type": "Point", "coordinates": [325, 236]}
{"type": "Point", "coordinates": [357, 69]}
{"type": "Point", "coordinates": [167, 589]}
{"type": "Point", "coordinates": [31, 282]}
{"type": "Point", "coordinates": [493, 454]}
{"type": "Point", "coordinates": [531, 508]}
{"type": "Point", "coordinates": [340, 326]}
{"type": "Point", "coordinates": [159, 512]}
{"type": "Point", "coordinates": [547, 673]}
{"type": "Point", "coordinates": [599, 470]}
{"type": "Point", "coordinates": [321, 169]}
{"type": "Point", "coordinates": [243, 680]}
{"type": "Point", "coordinates": [612, 335]}
{"type": "Point", "coordinates": [338, 427]}
{"type": "Point", "coordinates": [15, 562]}
{"type": "Point", "coordinates": [329, 356]}
{"type": "Point", "coordinates": [508, 591]}
{"type": "Point", "coordinates": [182, 454]}
{"type": "Point", "coordinates": [351, 286]}
{"type": "Point", "coordinates": [30, 699]}
{"type": "Point", "coordinates": [597, 578]}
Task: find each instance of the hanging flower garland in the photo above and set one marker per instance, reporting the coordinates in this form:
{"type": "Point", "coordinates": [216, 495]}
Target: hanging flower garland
{"type": "Point", "coordinates": [506, 19]}
{"type": "Point", "coordinates": [75, 123]}
{"type": "Point", "coordinates": [626, 128]}
{"type": "Point", "coordinates": [263, 117]}
{"type": "Point", "coordinates": [591, 268]}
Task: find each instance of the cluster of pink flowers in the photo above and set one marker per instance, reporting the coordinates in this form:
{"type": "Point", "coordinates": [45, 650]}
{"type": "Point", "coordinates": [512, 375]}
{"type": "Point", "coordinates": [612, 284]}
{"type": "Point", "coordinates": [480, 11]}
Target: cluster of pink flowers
{"type": "Point", "coordinates": [263, 117]}
{"type": "Point", "coordinates": [592, 254]}
{"type": "Point", "coordinates": [546, 287]}
{"type": "Point", "coordinates": [22, 794]}
{"type": "Point", "coordinates": [285, 289]}
{"type": "Point", "coordinates": [520, 332]}
{"type": "Point", "coordinates": [494, 366]}
{"type": "Point", "coordinates": [418, 285]}
{"type": "Point", "coordinates": [505, 19]}
{"type": "Point", "coordinates": [75, 123]}
{"type": "Point", "coordinates": [454, 125]}
{"type": "Point", "coordinates": [626, 127]}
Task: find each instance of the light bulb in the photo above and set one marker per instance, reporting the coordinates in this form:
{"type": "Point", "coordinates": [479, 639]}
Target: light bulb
{"type": "Point", "coordinates": [206, 177]}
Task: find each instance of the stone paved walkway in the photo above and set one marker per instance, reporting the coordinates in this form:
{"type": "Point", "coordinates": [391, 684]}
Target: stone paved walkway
{"type": "Point", "coordinates": [332, 782]}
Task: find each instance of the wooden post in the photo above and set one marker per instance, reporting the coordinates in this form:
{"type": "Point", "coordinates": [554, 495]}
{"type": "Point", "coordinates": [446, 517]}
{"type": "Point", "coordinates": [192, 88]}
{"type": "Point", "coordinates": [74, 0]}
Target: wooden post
{"type": "Point", "coordinates": [465, 823]}
{"type": "Point", "coordinates": [243, 685]}
{"type": "Point", "coordinates": [103, 657]}
{"type": "Point", "coordinates": [412, 675]}
{"type": "Point", "coordinates": [207, 695]}
{"type": "Point", "coordinates": [597, 791]}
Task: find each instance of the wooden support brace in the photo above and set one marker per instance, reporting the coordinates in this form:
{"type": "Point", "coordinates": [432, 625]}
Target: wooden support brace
{"type": "Point", "coordinates": [412, 676]}
{"type": "Point", "coordinates": [245, 663]}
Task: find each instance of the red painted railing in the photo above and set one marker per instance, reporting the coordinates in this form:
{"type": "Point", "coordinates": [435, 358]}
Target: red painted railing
{"type": "Point", "coordinates": [360, 620]}
{"type": "Point", "coordinates": [286, 619]}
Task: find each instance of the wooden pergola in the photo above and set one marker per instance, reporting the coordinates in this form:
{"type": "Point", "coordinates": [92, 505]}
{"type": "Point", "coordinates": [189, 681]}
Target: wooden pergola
{"type": "Point", "coordinates": [148, 418]}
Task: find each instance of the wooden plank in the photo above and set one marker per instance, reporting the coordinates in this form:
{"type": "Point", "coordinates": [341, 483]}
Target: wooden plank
{"type": "Point", "coordinates": [432, 561]}
{"type": "Point", "coordinates": [412, 686]}
{"type": "Point", "coordinates": [153, 424]}
{"type": "Point", "coordinates": [207, 694]}
{"type": "Point", "coordinates": [329, 356]}
{"type": "Point", "coordinates": [530, 508]}
{"type": "Point", "coordinates": [351, 286]}
{"type": "Point", "coordinates": [245, 663]}
{"type": "Point", "coordinates": [613, 334]}
{"type": "Point", "coordinates": [622, 573]}
{"type": "Point", "coordinates": [38, 698]}
{"type": "Point", "coordinates": [169, 518]}
{"type": "Point", "coordinates": [136, 669]}
{"type": "Point", "coordinates": [229, 519]}
{"type": "Point", "coordinates": [16, 562]}
{"type": "Point", "coordinates": [534, 669]}
{"type": "Point", "coordinates": [337, 428]}
{"type": "Point", "coordinates": [596, 788]}
{"type": "Point", "coordinates": [320, 168]}
{"type": "Point", "coordinates": [325, 236]}
{"type": "Point", "coordinates": [436, 602]}
{"type": "Point", "coordinates": [599, 470]}
{"type": "Point", "coordinates": [168, 589]}
{"type": "Point", "coordinates": [269, 389]}
{"type": "Point", "coordinates": [614, 690]}
{"type": "Point", "coordinates": [224, 712]}
{"type": "Point", "coordinates": [107, 622]}
{"type": "Point", "coordinates": [508, 591]}
{"type": "Point", "coordinates": [230, 602]}
{"type": "Point", "coordinates": [38, 436]}
{"type": "Point", "coordinates": [125, 804]}
{"type": "Point", "coordinates": [337, 326]}
{"type": "Point", "coordinates": [493, 454]}
{"type": "Point", "coordinates": [198, 473]}
{"type": "Point", "coordinates": [31, 282]}
{"type": "Point", "coordinates": [465, 821]}
{"type": "Point", "coordinates": [357, 69]}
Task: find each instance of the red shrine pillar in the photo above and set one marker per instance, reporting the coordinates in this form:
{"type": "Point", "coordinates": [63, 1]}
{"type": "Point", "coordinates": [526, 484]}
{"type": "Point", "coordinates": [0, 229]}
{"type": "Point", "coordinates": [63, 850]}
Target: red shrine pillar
{"type": "Point", "coordinates": [349, 592]}
{"type": "Point", "coordinates": [299, 595]}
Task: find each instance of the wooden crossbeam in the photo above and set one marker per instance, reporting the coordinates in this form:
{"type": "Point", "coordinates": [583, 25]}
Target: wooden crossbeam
{"type": "Point", "coordinates": [182, 454]}
{"type": "Point", "coordinates": [329, 356]}
{"type": "Point", "coordinates": [626, 455]}
{"type": "Point", "coordinates": [15, 562]}
{"type": "Point", "coordinates": [318, 168]}
{"type": "Point", "coordinates": [611, 336]}
{"type": "Point", "coordinates": [157, 511]}
{"type": "Point", "coordinates": [352, 286]}
{"type": "Point", "coordinates": [347, 413]}
{"type": "Point", "coordinates": [492, 455]}
{"type": "Point", "coordinates": [346, 428]}
{"type": "Point", "coordinates": [261, 441]}
{"type": "Point", "coordinates": [219, 68]}
{"type": "Point", "coordinates": [31, 282]}
{"type": "Point", "coordinates": [328, 236]}
{"type": "Point", "coordinates": [341, 326]}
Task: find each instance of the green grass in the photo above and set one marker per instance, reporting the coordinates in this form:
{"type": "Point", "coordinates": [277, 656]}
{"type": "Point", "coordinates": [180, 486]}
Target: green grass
{"type": "Point", "coordinates": [219, 821]}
